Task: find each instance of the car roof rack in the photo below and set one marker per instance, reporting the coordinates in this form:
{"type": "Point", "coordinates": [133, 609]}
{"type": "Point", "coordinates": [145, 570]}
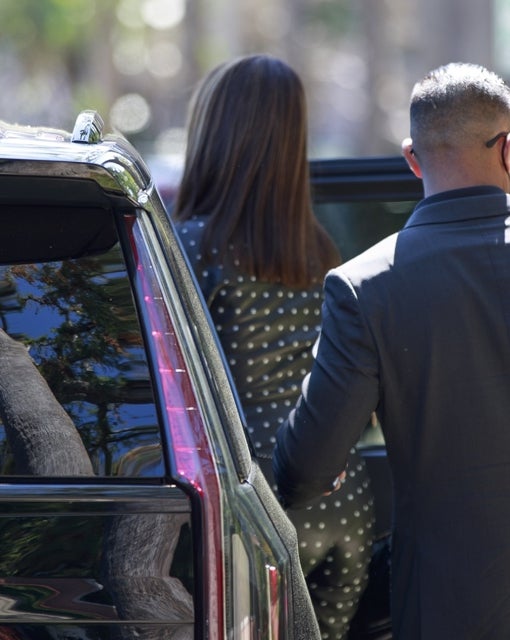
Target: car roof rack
{"type": "Point", "coordinates": [88, 128]}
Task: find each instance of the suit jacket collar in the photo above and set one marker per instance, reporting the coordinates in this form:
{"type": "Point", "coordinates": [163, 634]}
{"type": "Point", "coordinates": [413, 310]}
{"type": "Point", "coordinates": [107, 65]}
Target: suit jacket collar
{"type": "Point", "coordinates": [460, 204]}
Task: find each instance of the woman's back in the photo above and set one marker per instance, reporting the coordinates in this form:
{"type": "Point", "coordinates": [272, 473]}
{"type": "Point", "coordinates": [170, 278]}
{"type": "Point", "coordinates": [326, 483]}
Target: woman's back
{"type": "Point", "coordinates": [267, 331]}
{"type": "Point", "coordinates": [244, 215]}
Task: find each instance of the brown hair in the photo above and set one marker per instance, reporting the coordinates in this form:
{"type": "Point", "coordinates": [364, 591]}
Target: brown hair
{"type": "Point", "coordinates": [246, 169]}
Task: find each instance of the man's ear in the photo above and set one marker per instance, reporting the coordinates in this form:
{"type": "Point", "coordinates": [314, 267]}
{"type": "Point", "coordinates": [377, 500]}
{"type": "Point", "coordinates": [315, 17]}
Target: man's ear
{"type": "Point", "coordinates": [409, 155]}
{"type": "Point", "coordinates": [506, 153]}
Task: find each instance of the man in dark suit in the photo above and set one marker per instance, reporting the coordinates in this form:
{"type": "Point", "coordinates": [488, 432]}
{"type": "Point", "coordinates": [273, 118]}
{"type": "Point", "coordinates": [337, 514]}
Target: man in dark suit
{"type": "Point", "coordinates": [418, 329]}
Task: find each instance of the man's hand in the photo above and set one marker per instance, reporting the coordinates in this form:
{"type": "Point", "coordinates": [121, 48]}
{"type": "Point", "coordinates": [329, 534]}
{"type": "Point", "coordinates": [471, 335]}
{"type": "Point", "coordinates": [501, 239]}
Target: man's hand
{"type": "Point", "coordinates": [337, 483]}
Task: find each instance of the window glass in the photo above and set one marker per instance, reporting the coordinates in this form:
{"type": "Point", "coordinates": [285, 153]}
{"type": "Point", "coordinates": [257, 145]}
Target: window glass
{"type": "Point", "coordinates": [355, 226]}
{"type": "Point", "coordinates": [78, 321]}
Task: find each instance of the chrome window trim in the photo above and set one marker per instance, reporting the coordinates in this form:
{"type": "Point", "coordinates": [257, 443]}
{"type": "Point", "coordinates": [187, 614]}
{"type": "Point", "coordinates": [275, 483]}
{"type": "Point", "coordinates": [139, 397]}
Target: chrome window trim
{"type": "Point", "coordinates": [152, 499]}
{"type": "Point", "coordinates": [206, 401]}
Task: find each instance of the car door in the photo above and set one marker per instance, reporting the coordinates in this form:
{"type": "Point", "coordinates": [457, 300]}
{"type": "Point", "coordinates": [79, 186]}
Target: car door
{"type": "Point", "coordinates": [130, 503]}
{"type": "Point", "coordinates": [95, 539]}
{"type": "Point", "coordinates": [360, 201]}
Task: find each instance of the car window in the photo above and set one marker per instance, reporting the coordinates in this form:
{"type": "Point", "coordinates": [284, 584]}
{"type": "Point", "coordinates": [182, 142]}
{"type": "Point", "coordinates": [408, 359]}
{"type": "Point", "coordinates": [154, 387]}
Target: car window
{"type": "Point", "coordinates": [355, 226]}
{"type": "Point", "coordinates": [77, 319]}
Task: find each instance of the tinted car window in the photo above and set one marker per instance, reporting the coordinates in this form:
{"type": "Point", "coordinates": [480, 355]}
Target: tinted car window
{"type": "Point", "coordinates": [355, 226]}
{"type": "Point", "coordinates": [78, 320]}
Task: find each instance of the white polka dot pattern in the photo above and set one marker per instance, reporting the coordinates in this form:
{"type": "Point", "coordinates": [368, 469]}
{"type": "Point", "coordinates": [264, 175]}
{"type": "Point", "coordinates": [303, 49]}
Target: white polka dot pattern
{"type": "Point", "coordinates": [267, 332]}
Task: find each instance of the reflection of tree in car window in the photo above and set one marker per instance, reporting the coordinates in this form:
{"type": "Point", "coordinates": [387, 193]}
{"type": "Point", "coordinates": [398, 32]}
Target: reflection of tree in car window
{"type": "Point", "coordinates": [87, 352]}
{"type": "Point", "coordinates": [77, 318]}
{"type": "Point", "coordinates": [44, 442]}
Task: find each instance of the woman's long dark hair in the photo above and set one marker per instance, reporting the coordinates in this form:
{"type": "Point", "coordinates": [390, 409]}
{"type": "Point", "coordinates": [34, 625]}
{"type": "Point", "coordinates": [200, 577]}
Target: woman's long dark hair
{"type": "Point", "coordinates": [246, 169]}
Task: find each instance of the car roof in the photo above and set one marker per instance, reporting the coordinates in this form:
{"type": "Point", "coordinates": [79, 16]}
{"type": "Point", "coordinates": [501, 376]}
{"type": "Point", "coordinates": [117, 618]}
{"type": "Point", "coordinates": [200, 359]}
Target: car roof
{"type": "Point", "coordinates": [53, 182]}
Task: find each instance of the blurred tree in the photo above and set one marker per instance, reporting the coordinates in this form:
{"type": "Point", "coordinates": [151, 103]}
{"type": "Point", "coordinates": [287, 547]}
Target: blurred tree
{"type": "Point", "coordinates": [47, 45]}
{"type": "Point", "coordinates": [137, 61]}
{"type": "Point", "coordinates": [458, 30]}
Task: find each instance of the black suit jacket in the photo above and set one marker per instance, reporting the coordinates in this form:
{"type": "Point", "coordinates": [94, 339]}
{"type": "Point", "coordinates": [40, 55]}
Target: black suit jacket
{"type": "Point", "coordinates": [418, 327]}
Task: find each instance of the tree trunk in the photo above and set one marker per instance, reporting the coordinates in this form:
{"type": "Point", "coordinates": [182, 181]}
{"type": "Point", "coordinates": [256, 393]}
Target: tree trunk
{"type": "Point", "coordinates": [43, 439]}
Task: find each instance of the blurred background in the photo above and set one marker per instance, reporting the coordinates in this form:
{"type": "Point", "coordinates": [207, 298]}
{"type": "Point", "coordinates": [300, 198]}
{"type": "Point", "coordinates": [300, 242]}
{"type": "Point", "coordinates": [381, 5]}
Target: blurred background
{"type": "Point", "coordinates": [137, 61]}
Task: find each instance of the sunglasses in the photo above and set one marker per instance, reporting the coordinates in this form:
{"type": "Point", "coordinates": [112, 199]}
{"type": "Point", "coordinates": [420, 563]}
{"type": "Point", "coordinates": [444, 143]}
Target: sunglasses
{"type": "Point", "coordinates": [490, 143]}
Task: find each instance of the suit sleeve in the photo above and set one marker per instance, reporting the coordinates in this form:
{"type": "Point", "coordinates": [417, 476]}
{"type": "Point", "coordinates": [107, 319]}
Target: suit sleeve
{"type": "Point", "coordinates": [336, 401]}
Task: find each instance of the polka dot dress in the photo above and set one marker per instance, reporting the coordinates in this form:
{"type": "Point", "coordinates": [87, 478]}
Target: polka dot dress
{"type": "Point", "coordinates": [267, 332]}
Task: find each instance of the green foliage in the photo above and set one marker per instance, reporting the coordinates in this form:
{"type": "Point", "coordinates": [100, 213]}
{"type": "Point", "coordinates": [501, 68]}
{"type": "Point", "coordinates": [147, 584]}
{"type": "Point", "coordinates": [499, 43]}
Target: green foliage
{"type": "Point", "coordinates": [92, 355]}
{"type": "Point", "coordinates": [50, 47]}
{"type": "Point", "coordinates": [338, 17]}
{"type": "Point", "coordinates": [94, 329]}
{"type": "Point", "coordinates": [63, 23]}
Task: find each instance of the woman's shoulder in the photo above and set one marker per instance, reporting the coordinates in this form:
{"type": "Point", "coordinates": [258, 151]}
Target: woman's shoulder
{"type": "Point", "coordinates": [190, 232]}
{"type": "Point", "coordinates": [192, 226]}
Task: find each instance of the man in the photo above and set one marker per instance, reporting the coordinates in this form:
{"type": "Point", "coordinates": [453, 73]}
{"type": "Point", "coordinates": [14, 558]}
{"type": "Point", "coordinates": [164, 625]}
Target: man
{"type": "Point", "coordinates": [418, 329]}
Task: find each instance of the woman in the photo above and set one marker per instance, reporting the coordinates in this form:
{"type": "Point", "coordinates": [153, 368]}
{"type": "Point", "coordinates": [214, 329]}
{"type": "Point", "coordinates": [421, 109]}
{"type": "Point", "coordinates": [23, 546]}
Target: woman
{"type": "Point", "coordinates": [244, 214]}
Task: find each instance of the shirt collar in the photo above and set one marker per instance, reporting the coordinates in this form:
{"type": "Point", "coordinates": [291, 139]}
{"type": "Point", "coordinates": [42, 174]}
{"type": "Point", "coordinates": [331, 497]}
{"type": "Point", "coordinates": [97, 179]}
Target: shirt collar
{"type": "Point", "coordinates": [461, 204]}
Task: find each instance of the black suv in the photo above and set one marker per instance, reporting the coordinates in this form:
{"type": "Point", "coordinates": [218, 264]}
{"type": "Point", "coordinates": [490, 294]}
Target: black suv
{"type": "Point", "coordinates": [130, 502]}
